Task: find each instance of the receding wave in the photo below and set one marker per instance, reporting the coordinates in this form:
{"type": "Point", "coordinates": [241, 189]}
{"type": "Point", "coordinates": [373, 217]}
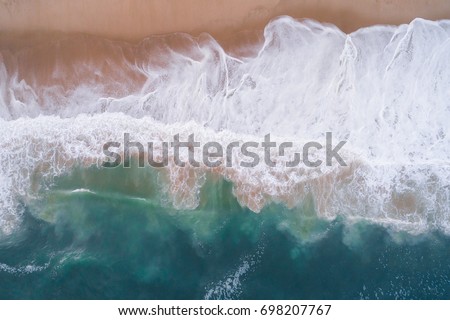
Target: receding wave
{"type": "Point", "coordinates": [383, 89]}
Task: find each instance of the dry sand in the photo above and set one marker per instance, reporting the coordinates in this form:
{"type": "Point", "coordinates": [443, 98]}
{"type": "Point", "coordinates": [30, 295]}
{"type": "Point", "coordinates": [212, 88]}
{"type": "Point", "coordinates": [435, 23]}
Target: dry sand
{"type": "Point", "coordinates": [136, 19]}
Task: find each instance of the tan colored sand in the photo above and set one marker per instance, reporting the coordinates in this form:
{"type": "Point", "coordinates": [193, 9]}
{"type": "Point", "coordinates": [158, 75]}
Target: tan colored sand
{"type": "Point", "coordinates": [136, 19]}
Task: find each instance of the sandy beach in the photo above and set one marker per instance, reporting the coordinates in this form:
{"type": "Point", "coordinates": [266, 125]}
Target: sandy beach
{"type": "Point", "coordinates": [136, 19]}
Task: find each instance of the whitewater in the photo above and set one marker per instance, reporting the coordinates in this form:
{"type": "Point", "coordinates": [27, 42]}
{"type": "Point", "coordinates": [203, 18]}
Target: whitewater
{"type": "Point", "coordinates": [383, 89]}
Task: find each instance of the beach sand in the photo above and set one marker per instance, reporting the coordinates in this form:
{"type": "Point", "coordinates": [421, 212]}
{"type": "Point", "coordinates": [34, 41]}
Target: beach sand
{"type": "Point", "coordinates": [135, 19]}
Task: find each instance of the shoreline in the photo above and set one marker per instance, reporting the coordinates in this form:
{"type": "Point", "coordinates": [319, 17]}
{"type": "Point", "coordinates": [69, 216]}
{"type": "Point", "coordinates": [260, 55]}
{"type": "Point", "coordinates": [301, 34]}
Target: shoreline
{"type": "Point", "coordinates": [134, 20]}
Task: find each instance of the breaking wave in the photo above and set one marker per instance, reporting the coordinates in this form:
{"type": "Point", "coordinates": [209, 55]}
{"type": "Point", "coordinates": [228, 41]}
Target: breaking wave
{"type": "Point", "coordinates": [383, 89]}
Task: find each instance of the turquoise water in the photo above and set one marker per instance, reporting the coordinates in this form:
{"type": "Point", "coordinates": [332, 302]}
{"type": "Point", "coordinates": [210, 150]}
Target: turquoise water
{"type": "Point", "coordinates": [124, 241]}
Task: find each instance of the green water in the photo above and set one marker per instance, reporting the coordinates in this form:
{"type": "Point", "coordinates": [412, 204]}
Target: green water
{"type": "Point", "coordinates": [123, 240]}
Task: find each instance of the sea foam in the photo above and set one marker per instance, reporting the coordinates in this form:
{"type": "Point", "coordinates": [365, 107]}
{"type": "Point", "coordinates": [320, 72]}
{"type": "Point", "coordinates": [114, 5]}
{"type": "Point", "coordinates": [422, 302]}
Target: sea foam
{"type": "Point", "coordinates": [383, 89]}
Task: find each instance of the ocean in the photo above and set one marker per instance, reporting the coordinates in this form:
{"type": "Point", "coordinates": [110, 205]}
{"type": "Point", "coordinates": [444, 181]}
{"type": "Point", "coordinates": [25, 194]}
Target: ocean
{"type": "Point", "coordinates": [376, 228]}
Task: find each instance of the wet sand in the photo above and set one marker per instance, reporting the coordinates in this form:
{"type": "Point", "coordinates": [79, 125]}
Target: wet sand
{"type": "Point", "coordinates": [136, 19]}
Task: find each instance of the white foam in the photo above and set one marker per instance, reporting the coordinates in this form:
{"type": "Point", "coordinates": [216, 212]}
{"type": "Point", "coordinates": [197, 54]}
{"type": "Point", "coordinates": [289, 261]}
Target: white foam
{"type": "Point", "coordinates": [383, 89]}
{"type": "Point", "coordinates": [231, 286]}
{"type": "Point", "coordinates": [82, 190]}
{"type": "Point", "coordinates": [27, 269]}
